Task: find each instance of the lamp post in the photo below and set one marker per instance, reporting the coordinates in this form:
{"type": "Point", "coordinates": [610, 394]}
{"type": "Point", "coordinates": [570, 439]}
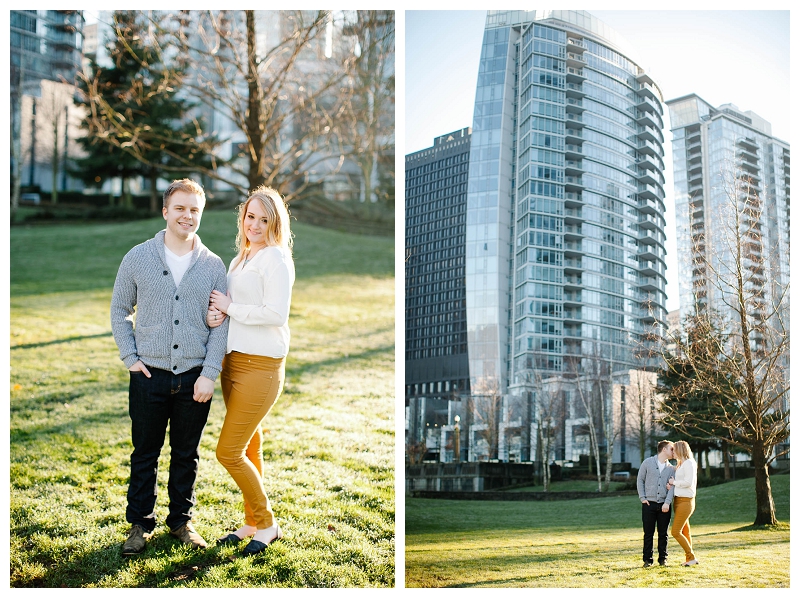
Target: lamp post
{"type": "Point", "coordinates": [457, 439]}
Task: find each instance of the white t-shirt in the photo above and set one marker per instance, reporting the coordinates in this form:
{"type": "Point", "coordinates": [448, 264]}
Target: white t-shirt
{"type": "Point", "coordinates": [178, 264]}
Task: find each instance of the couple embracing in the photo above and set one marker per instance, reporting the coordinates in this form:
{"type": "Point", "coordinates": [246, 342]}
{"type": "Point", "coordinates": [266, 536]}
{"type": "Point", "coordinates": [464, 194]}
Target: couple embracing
{"type": "Point", "coordinates": [662, 485]}
{"type": "Point", "coordinates": [194, 323]}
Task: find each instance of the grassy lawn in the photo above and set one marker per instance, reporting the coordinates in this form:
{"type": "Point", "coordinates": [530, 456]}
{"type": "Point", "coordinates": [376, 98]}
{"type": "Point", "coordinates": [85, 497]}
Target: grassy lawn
{"type": "Point", "coordinates": [329, 441]}
{"type": "Point", "coordinates": [593, 543]}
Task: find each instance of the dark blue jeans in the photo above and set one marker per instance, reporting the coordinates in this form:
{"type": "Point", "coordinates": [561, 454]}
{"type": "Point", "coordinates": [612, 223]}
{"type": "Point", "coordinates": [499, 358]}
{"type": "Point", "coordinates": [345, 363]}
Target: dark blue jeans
{"type": "Point", "coordinates": [652, 517]}
{"type": "Point", "coordinates": [152, 403]}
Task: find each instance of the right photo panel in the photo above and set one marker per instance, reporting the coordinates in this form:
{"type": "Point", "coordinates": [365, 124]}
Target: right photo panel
{"type": "Point", "coordinates": [597, 298]}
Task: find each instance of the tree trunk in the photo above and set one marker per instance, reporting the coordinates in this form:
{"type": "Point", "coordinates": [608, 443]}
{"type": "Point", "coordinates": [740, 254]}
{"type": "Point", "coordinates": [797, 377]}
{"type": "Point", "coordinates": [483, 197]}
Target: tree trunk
{"type": "Point", "coordinates": [765, 506]}
{"type": "Point", "coordinates": [54, 165]}
{"type": "Point", "coordinates": [153, 192]}
{"type": "Point", "coordinates": [255, 136]}
{"type": "Point", "coordinates": [726, 460]}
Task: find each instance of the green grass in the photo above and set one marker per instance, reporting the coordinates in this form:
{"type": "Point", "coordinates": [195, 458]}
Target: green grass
{"type": "Point", "coordinates": [593, 543]}
{"type": "Point", "coordinates": [570, 486]}
{"type": "Point", "coordinates": [329, 441]}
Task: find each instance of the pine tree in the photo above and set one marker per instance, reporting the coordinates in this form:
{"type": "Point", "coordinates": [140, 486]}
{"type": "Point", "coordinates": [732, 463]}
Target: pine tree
{"type": "Point", "coordinates": [137, 121]}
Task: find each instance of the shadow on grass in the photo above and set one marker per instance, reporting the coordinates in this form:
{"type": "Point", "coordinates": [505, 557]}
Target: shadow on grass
{"type": "Point", "coordinates": [302, 368]}
{"type": "Point", "coordinates": [176, 564]}
{"type": "Point", "coordinates": [61, 340]}
{"type": "Point", "coordinates": [564, 561]}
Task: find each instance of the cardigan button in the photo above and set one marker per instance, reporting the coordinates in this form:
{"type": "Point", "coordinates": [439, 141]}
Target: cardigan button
{"type": "Point", "coordinates": [176, 322]}
{"type": "Point", "coordinates": [165, 272]}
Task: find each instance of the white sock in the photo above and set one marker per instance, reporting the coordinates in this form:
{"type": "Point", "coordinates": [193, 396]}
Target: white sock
{"type": "Point", "coordinates": [267, 535]}
{"type": "Point", "coordinates": [245, 531]}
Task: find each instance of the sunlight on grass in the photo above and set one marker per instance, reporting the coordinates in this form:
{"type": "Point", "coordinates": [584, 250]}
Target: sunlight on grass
{"type": "Point", "coordinates": [592, 543]}
{"type": "Point", "coordinates": [329, 440]}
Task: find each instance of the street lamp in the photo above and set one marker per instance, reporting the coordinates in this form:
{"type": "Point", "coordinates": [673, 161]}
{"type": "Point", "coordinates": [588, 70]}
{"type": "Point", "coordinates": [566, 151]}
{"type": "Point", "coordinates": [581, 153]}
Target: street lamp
{"type": "Point", "coordinates": [457, 439]}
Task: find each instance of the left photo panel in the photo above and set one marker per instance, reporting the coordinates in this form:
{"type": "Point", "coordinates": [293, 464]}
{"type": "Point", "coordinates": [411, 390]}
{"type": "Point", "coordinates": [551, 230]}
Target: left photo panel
{"type": "Point", "coordinates": [202, 299]}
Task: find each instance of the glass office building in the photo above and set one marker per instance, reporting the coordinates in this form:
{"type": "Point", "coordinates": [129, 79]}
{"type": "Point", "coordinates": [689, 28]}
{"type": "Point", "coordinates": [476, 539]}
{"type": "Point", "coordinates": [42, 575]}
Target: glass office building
{"type": "Point", "coordinates": [565, 204]}
{"type": "Point", "coordinates": [710, 148]}
{"type": "Point", "coordinates": [436, 371]}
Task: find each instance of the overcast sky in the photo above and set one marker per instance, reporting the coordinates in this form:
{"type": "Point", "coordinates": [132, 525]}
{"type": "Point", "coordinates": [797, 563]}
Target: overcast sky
{"type": "Point", "coordinates": [737, 57]}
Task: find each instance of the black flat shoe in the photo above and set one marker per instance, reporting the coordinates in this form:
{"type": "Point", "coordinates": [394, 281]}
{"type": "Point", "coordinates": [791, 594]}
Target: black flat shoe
{"type": "Point", "coordinates": [229, 539]}
{"type": "Point", "coordinates": [254, 546]}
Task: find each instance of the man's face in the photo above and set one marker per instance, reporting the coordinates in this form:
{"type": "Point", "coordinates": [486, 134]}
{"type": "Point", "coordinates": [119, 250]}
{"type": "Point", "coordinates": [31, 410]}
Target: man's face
{"type": "Point", "coordinates": [670, 451]}
{"type": "Point", "coordinates": [183, 214]}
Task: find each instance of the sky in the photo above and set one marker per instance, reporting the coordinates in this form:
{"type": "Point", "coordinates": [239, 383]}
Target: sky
{"type": "Point", "coordinates": [737, 57]}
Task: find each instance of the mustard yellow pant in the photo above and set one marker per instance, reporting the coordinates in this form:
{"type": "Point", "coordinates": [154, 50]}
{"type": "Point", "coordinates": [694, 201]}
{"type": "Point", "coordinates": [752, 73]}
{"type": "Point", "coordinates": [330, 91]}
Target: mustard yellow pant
{"type": "Point", "coordinates": [683, 508]}
{"type": "Point", "coordinates": [250, 386]}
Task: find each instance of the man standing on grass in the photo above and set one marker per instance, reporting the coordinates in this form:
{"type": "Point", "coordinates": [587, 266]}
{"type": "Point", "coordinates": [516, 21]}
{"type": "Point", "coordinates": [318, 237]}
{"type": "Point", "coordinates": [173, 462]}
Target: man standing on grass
{"type": "Point", "coordinates": [173, 358]}
{"type": "Point", "coordinates": [656, 494]}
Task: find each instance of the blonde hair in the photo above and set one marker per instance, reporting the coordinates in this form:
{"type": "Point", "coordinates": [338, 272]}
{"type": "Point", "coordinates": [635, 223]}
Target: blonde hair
{"type": "Point", "coordinates": [278, 231]}
{"type": "Point", "coordinates": [185, 185]}
{"type": "Point", "coordinates": [682, 451]}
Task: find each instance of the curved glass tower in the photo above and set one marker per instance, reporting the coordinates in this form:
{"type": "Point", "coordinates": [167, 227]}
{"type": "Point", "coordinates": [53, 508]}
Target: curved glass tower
{"type": "Point", "coordinates": [565, 203]}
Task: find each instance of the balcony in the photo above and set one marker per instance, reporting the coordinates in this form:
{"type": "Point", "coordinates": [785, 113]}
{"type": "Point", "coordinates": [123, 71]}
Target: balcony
{"type": "Point", "coordinates": [573, 199]}
{"type": "Point", "coordinates": [651, 221]}
{"type": "Point", "coordinates": [573, 247]}
{"type": "Point", "coordinates": [574, 119]}
{"type": "Point", "coordinates": [573, 135]}
{"type": "Point", "coordinates": [571, 214]}
{"type": "Point", "coordinates": [650, 192]}
{"type": "Point", "coordinates": [572, 182]}
{"type": "Point", "coordinates": [748, 145]}
{"type": "Point", "coordinates": [648, 177]}
{"type": "Point", "coordinates": [648, 205]}
{"type": "Point", "coordinates": [649, 161]}
{"type": "Point", "coordinates": [648, 237]}
{"type": "Point", "coordinates": [648, 89]}
{"type": "Point", "coordinates": [572, 232]}
{"type": "Point", "coordinates": [575, 75]}
{"type": "Point", "coordinates": [572, 263]}
{"type": "Point", "coordinates": [648, 147]}
{"type": "Point", "coordinates": [573, 167]}
{"type": "Point", "coordinates": [575, 60]}
{"type": "Point", "coordinates": [648, 119]}
{"type": "Point", "coordinates": [574, 90]}
{"type": "Point", "coordinates": [572, 299]}
{"type": "Point", "coordinates": [650, 283]}
{"type": "Point", "coordinates": [575, 45]}
{"type": "Point", "coordinates": [649, 104]}
{"type": "Point", "coordinates": [573, 151]}
{"type": "Point", "coordinates": [650, 133]}
{"type": "Point", "coordinates": [575, 105]}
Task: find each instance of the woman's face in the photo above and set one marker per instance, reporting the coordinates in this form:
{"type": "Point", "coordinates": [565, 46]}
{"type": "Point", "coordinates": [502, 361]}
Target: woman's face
{"type": "Point", "coordinates": [255, 223]}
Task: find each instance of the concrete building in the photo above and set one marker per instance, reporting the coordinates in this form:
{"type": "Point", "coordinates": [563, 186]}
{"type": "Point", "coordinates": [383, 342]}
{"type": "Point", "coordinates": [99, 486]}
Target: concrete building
{"type": "Point", "coordinates": [437, 371]}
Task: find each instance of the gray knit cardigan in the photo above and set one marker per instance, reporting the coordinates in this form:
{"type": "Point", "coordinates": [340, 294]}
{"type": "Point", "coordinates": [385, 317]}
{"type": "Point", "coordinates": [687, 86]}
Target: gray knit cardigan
{"type": "Point", "coordinates": [171, 331]}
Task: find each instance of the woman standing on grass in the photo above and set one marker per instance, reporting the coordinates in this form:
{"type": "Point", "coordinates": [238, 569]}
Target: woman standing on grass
{"type": "Point", "coordinates": [685, 482]}
{"type": "Point", "coordinates": [260, 280]}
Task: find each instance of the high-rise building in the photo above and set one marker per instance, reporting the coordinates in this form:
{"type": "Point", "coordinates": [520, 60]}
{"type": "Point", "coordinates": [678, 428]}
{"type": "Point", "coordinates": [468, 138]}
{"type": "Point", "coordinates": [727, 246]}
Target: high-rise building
{"type": "Point", "coordinates": [565, 254]}
{"type": "Point", "coordinates": [437, 371]}
{"type": "Point", "coordinates": [713, 150]}
{"type": "Point", "coordinates": [46, 48]}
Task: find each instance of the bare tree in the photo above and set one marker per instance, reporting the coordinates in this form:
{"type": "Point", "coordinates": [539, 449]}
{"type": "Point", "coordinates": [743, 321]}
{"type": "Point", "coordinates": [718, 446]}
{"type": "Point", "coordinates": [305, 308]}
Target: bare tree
{"type": "Point", "coordinates": [548, 412]}
{"type": "Point", "coordinates": [486, 411]}
{"type": "Point", "coordinates": [368, 134]}
{"type": "Point", "coordinates": [743, 372]}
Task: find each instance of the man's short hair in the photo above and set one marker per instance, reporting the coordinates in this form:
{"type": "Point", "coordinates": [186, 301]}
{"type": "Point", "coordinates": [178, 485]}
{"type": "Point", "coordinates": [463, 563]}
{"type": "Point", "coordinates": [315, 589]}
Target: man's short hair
{"type": "Point", "coordinates": [185, 185]}
{"type": "Point", "coordinates": [662, 444]}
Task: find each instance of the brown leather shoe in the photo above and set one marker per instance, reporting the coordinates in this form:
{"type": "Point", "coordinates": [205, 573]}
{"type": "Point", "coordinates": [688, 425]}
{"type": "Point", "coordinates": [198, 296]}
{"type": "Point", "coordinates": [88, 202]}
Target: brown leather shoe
{"type": "Point", "coordinates": [188, 535]}
{"type": "Point", "coordinates": [136, 542]}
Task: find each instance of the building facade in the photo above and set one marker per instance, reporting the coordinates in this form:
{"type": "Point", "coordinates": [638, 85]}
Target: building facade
{"type": "Point", "coordinates": [437, 371]}
{"type": "Point", "coordinates": [731, 173]}
{"type": "Point", "coordinates": [713, 150]}
{"type": "Point", "coordinates": [46, 48]}
{"type": "Point", "coordinates": [565, 219]}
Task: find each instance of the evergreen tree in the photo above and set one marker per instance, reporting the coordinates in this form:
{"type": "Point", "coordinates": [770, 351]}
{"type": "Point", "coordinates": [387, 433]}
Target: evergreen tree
{"type": "Point", "coordinates": [137, 121]}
